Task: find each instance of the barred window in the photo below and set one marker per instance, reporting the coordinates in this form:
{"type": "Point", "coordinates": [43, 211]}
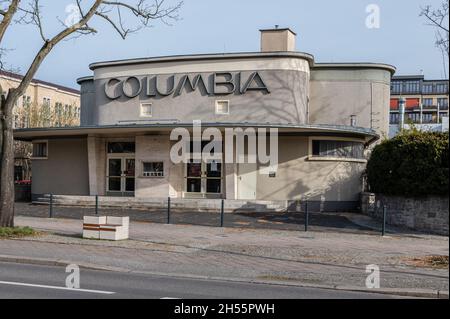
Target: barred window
{"type": "Point", "coordinates": [338, 149]}
{"type": "Point", "coordinates": [40, 150]}
{"type": "Point", "coordinates": [153, 169]}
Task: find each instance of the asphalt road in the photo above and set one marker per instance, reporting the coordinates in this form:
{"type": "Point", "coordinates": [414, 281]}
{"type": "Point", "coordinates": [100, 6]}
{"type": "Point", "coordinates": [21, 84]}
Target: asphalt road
{"type": "Point", "coordinates": [48, 282]}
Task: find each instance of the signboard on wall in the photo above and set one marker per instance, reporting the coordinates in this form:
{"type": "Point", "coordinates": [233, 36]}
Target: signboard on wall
{"type": "Point", "coordinates": [219, 83]}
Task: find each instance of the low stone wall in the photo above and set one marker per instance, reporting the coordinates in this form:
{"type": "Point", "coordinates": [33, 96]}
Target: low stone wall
{"type": "Point", "coordinates": [429, 214]}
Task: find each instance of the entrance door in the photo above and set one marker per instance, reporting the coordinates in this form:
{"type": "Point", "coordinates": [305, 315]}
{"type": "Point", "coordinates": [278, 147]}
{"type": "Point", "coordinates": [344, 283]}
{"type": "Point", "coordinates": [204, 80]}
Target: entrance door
{"type": "Point", "coordinates": [121, 176]}
{"type": "Point", "coordinates": [247, 180]}
{"type": "Point", "coordinates": [204, 179]}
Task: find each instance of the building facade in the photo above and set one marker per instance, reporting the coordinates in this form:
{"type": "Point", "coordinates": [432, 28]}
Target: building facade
{"type": "Point", "coordinates": [327, 116]}
{"type": "Point", "coordinates": [56, 104]}
{"type": "Point", "coordinates": [426, 103]}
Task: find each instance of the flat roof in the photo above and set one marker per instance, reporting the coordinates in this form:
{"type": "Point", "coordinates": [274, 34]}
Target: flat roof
{"type": "Point", "coordinates": [356, 65]}
{"type": "Point", "coordinates": [203, 57]}
{"type": "Point", "coordinates": [36, 81]}
{"type": "Point", "coordinates": [277, 30]}
{"type": "Point", "coordinates": [77, 131]}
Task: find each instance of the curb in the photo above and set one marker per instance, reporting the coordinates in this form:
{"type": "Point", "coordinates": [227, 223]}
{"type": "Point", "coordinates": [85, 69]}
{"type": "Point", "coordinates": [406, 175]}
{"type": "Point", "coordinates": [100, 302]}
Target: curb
{"type": "Point", "coordinates": [405, 292]}
{"type": "Point", "coordinates": [57, 262]}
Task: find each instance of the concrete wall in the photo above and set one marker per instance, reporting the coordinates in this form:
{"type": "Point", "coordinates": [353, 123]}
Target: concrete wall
{"type": "Point", "coordinates": [65, 171]}
{"type": "Point", "coordinates": [428, 214]}
{"type": "Point", "coordinates": [300, 177]}
{"type": "Point", "coordinates": [156, 149]}
{"type": "Point", "coordinates": [277, 40]}
{"type": "Point", "coordinates": [286, 103]}
{"type": "Point", "coordinates": [337, 94]}
{"type": "Point", "coordinates": [286, 77]}
{"type": "Point", "coordinates": [87, 100]}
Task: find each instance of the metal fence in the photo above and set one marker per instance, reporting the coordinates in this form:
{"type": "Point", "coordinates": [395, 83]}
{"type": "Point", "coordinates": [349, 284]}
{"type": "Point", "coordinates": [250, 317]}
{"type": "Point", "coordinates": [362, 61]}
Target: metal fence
{"type": "Point", "coordinates": [303, 219]}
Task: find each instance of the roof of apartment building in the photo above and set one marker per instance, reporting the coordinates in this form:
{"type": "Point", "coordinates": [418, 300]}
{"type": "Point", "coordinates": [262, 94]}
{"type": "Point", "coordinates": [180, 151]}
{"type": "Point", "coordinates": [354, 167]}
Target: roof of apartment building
{"type": "Point", "coordinates": [36, 81]}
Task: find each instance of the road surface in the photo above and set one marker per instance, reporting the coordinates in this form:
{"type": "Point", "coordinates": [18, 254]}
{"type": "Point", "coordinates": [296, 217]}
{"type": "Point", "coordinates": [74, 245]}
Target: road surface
{"type": "Point", "coordinates": [35, 281]}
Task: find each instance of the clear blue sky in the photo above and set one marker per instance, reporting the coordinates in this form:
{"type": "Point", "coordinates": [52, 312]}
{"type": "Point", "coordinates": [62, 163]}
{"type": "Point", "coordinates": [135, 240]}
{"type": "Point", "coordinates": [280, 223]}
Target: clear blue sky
{"type": "Point", "coordinates": [333, 31]}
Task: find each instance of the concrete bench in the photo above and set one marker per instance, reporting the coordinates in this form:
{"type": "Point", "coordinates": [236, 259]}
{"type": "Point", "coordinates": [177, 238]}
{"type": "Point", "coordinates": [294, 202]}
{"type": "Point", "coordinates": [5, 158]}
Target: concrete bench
{"type": "Point", "coordinates": [106, 227]}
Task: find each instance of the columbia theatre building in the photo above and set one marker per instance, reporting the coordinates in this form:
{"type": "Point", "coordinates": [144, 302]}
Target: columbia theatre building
{"type": "Point", "coordinates": [327, 114]}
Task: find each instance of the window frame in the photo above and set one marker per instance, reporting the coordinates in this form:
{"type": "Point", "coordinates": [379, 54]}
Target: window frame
{"type": "Point", "coordinates": [217, 102]}
{"type": "Point", "coordinates": [143, 172]}
{"type": "Point", "coordinates": [312, 157]}
{"type": "Point", "coordinates": [39, 157]}
{"type": "Point", "coordinates": [141, 108]}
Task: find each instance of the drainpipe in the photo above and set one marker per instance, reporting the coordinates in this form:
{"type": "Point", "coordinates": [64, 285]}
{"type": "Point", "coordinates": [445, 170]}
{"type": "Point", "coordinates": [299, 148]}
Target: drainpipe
{"type": "Point", "coordinates": [401, 109]}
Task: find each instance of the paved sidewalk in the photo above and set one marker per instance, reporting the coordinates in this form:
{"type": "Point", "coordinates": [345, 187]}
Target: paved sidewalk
{"type": "Point", "coordinates": [317, 258]}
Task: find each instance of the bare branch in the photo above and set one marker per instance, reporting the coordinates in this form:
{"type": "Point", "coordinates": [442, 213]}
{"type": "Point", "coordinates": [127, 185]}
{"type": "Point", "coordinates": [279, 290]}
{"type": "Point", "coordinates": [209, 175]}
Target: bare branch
{"type": "Point", "coordinates": [141, 10]}
{"type": "Point", "coordinates": [438, 18]}
{"type": "Point", "coordinates": [7, 17]}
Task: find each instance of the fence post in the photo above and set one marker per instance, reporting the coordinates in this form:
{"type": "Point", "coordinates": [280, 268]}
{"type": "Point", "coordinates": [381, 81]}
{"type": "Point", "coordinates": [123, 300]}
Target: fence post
{"type": "Point", "coordinates": [222, 208]}
{"type": "Point", "coordinates": [306, 216]}
{"type": "Point", "coordinates": [51, 206]}
{"type": "Point", "coordinates": [383, 226]}
{"type": "Point", "coordinates": [168, 210]}
{"type": "Point", "coordinates": [96, 204]}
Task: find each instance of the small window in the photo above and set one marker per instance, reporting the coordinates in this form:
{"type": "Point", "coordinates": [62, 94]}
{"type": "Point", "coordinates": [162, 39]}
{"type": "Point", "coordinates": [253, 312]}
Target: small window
{"type": "Point", "coordinates": [338, 149]}
{"type": "Point", "coordinates": [46, 102]}
{"type": "Point", "coordinates": [222, 107]}
{"type": "Point", "coordinates": [153, 169]}
{"type": "Point", "coordinates": [146, 110]}
{"type": "Point", "coordinates": [40, 150]}
{"type": "Point", "coordinates": [121, 147]}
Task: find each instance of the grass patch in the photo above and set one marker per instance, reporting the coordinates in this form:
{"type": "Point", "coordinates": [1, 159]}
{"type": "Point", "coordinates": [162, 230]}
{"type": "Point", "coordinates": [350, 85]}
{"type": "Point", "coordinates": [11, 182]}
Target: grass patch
{"type": "Point", "coordinates": [17, 232]}
{"type": "Point", "coordinates": [439, 262]}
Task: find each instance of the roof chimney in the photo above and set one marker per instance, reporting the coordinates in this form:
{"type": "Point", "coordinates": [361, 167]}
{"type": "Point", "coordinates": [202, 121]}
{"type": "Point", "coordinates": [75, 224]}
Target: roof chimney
{"type": "Point", "coordinates": [276, 40]}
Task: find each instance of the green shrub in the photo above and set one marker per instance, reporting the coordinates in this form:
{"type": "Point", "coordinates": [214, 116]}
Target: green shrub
{"type": "Point", "coordinates": [15, 232]}
{"type": "Point", "coordinates": [413, 164]}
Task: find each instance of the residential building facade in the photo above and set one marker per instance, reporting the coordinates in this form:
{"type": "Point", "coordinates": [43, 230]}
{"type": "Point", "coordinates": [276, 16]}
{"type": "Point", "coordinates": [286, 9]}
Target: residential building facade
{"type": "Point", "coordinates": [44, 104]}
{"type": "Point", "coordinates": [425, 103]}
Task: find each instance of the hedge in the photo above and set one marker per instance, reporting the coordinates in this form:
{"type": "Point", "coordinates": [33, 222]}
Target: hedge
{"type": "Point", "coordinates": [413, 164]}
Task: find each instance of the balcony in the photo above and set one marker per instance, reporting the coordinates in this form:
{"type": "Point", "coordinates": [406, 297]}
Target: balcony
{"type": "Point", "coordinates": [429, 107]}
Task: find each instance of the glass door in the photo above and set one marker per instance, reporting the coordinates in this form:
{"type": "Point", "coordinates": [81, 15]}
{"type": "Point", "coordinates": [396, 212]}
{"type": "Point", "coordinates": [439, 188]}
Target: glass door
{"type": "Point", "coordinates": [204, 179]}
{"type": "Point", "coordinates": [121, 176]}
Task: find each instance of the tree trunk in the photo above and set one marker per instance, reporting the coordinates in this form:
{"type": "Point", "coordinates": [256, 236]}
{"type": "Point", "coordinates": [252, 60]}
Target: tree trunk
{"type": "Point", "coordinates": [7, 165]}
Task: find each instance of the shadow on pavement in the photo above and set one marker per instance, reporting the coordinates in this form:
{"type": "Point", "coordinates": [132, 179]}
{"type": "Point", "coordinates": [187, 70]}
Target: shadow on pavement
{"type": "Point", "coordinates": [294, 221]}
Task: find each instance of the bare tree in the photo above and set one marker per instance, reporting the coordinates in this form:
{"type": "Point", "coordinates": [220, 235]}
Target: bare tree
{"type": "Point", "coordinates": [115, 13]}
{"type": "Point", "coordinates": [438, 18]}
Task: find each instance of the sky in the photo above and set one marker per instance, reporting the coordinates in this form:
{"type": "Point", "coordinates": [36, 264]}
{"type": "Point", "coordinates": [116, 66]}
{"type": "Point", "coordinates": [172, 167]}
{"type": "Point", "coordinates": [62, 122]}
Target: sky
{"type": "Point", "coordinates": [332, 31]}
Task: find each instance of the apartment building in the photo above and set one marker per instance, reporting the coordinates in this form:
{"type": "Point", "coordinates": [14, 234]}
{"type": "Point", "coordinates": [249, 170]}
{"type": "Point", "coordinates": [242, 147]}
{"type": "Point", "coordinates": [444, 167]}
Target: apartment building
{"type": "Point", "coordinates": [44, 104]}
{"type": "Point", "coordinates": [425, 103]}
